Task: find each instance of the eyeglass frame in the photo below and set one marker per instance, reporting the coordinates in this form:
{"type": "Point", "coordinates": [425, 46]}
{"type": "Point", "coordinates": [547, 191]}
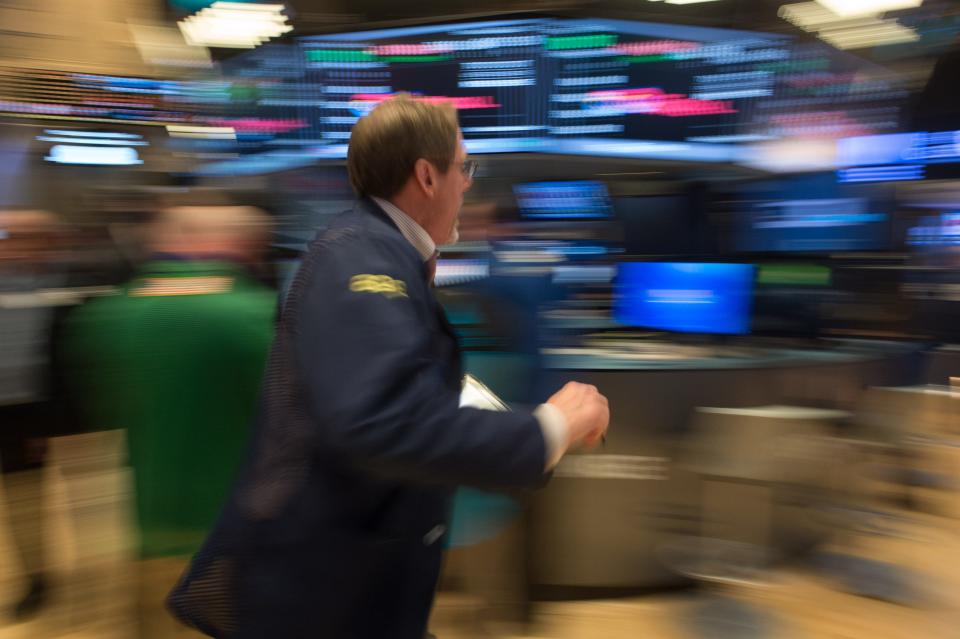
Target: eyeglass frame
{"type": "Point", "coordinates": [469, 168]}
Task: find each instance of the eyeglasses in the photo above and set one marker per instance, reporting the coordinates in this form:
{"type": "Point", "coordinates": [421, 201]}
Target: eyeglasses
{"type": "Point", "coordinates": [469, 168]}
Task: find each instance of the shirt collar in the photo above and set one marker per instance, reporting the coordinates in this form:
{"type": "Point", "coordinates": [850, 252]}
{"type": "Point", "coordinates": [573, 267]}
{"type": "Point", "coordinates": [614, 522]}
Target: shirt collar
{"type": "Point", "coordinates": [414, 233]}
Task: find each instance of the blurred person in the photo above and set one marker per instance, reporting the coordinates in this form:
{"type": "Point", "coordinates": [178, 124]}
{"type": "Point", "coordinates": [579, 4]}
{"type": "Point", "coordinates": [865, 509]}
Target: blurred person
{"type": "Point", "coordinates": [28, 266]}
{"type": "Point", "coordinates": [501, 345]}
{"type": "Point", "coordinates": [176, 359]}
{"type": "Point", "coordinates": [337, 523]}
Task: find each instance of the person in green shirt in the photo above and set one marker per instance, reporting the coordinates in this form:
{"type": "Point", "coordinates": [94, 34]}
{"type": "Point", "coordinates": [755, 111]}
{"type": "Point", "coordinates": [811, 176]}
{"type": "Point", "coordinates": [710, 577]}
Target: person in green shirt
{"type": "Point", "coordinates": [176, 359]}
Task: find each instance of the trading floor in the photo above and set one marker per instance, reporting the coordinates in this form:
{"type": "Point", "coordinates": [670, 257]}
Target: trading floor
{"type": "Point", "coordinates": [91, 597]}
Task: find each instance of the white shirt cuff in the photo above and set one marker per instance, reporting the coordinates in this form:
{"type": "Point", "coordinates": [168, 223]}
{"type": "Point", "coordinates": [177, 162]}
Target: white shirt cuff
{"type": "Point", "coordinates": [553, 425]}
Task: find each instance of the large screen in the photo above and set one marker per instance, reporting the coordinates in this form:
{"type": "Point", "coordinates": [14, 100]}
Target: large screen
{"type": "Point", "coordinates": [556, 85]}
{"type": "Point", "coordinates": [685, 297]}
{"type": "Point", "coordinates": [598, 87]}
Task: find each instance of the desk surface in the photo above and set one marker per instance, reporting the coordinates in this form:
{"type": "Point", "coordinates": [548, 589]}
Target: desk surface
{"type": "Point", "coordinates": [646, 355]}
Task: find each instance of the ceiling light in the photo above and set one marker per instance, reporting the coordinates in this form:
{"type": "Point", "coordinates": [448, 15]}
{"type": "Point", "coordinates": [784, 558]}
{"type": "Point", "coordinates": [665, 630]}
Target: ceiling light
{"type": "Point", "coordinates": [93, 134]}
{"type": "Point", "coordinates": [811, 16]}
{"type": "Point", "coordinates": [687, 1]}
{"type": "Point", "coordinates": [818, 23]}
{"type": "Point", "coordinates": [894, 35]}
{"type": "Point", "coordinates": [234, 25]}
{"type": "Point", "coordinates": [846, 8]}
{"type": "Point", "coordinates": [847, 32]}
{"type": "Point", "coordinates": [45, 138]}
{"type": "Point", "coordinates": [859, 26]}
{"type": "Point", "coordinates": [165, 46]}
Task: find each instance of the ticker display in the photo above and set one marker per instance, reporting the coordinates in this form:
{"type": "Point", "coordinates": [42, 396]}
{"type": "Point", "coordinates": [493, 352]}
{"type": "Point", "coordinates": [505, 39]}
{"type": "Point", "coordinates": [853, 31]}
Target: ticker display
{"type": "Point", "coordinates": [572, 86]}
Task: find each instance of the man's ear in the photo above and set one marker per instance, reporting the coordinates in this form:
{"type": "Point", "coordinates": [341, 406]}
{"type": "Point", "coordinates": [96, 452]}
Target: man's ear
{"type": "Point", "coordinates": [426, 176]}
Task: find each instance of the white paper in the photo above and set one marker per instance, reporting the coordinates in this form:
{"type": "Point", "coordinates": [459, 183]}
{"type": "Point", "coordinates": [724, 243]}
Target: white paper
{"type": "Point", "coordinates": [476, 395]}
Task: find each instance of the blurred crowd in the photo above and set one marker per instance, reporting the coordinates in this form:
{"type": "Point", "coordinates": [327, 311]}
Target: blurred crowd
{"type": "Point", "coordinates": [174, 344]}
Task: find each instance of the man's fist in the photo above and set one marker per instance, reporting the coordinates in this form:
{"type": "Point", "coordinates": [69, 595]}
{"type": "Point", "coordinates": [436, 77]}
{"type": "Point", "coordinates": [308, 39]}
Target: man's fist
{"type": "Point", "coordinates": [586, 410]}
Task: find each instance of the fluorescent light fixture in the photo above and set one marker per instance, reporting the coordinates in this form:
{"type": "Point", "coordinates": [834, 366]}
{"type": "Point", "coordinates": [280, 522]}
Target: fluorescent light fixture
{"type": "Point", "coordinates": [811, 16]}
{"type": "Point", "coordinates": [687, 1]}
{"type": "Point", "coordinates": [103, 156]}
{"type": "Point", "coordinates": [93, 134]}
{"type": "Point", "coordinates": [847, 8]}
{"type": "Point", "coordinates": [164, 45]}
{"type": "Point", "coordinates": [235, 25]}
{"type": "Point", "coordinates": [94, 141]}
{"type": "Point", "coordinates": [849, 31]}
{"type": "Point", "coordinates": [860, 29]}
{"type": "Point", "coordinates": [892, 34]}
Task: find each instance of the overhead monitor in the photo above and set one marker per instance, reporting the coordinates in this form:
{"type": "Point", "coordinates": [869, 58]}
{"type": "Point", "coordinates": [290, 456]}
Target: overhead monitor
{"type": "Point", "coordinates": [490, 71]}
{"type": "Point", "coordinates": [584, 86]}
{"type": "Point", "coordinates": [638, 89]}
{"type": "Point", "coordinates": [572, 200]}
{"type": "Point", "coordinates": [568, 86]}
{"type": "Point", "coordinates": [811, 214]}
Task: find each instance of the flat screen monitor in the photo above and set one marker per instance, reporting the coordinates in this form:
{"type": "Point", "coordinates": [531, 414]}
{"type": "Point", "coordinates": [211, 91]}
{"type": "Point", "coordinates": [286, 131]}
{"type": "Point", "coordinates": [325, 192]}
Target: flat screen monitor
{"type": "Point", "coordinates": [811, 214]}
{"type": "Point", "coordinates": [685, 297]}
{"type": "Point", "coordinates": [573, 200]}
{"type": "Point", "coordinates": [813, 225]}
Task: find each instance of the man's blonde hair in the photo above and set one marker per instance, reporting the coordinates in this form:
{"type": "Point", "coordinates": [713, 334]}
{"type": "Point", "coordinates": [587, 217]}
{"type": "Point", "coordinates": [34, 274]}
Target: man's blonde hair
{"type": "Point", "coordinates": [386, 144]}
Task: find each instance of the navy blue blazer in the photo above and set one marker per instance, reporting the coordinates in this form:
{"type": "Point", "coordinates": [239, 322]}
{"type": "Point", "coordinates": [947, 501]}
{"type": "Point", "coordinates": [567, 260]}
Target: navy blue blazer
{"type": "Point", "coordinates": [336, 525]}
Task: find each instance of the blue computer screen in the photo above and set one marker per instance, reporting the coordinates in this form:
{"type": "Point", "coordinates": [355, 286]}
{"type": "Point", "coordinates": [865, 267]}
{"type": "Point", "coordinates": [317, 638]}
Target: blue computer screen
{"type": "Point", "coordinates": [685, 297]}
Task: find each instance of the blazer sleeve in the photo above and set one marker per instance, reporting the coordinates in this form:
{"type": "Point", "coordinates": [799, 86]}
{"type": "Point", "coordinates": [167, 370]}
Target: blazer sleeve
{"type": "Point", "coordinates": [376, 390]}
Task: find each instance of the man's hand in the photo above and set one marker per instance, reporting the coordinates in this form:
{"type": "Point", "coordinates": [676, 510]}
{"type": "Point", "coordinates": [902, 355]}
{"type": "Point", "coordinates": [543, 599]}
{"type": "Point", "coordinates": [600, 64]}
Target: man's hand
{"type": "Point", "coordinates": [587, 413]}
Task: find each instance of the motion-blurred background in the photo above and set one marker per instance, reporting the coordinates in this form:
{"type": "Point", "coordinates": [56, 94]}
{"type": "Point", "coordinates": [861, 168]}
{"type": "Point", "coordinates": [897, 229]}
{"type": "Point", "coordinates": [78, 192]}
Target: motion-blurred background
{"type": "Point", "coordinates": [740, 219]}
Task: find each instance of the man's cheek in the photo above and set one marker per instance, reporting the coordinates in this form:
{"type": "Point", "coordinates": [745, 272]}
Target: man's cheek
{"type": "Point", "coordinates": [454, 232]}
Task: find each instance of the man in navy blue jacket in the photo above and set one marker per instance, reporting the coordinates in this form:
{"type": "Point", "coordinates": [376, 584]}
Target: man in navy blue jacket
{"type": "Point", "coordinates": [336, 526]}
